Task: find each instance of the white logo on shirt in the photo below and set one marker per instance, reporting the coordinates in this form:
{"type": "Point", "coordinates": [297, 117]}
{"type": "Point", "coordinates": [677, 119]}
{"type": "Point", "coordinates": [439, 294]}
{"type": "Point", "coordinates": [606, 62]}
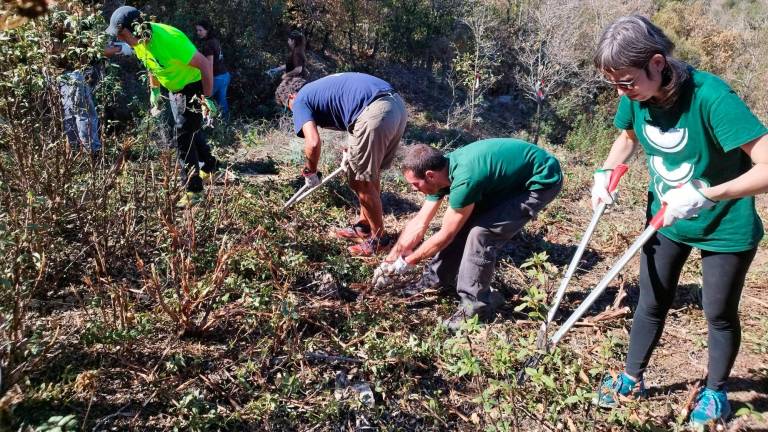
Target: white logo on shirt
{"type": "Point", "coordinates": [664, 176]}
{"type": "Point", "coordinates": [669, 141]}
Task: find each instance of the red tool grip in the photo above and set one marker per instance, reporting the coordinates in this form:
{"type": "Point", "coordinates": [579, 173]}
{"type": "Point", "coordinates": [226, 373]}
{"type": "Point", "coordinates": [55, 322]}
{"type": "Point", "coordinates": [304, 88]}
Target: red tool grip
{"type": "Point", "coordinates": [658, 219]}
{"type": "Point", "coordinates": [616, 174]}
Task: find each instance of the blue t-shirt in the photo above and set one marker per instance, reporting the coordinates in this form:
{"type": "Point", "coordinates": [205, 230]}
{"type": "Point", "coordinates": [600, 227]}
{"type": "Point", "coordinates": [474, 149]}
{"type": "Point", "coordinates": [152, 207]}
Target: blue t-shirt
{"type": "Point", "coordinates": [335, 101]}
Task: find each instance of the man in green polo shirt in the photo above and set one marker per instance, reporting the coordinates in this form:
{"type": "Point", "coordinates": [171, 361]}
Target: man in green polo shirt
{"type": "Point", "coordinates": [494, 188]}
{"type": "Point", "coordinates": [173, 62]}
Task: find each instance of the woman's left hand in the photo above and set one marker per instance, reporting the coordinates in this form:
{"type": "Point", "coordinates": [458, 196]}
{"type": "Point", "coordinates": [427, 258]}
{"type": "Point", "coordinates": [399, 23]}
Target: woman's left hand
{"type": "Point", "coordinates": [685, 201]}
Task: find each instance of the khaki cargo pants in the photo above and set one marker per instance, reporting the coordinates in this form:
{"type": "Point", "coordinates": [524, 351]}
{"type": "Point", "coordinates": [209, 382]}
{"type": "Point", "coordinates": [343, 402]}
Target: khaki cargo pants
{"type": "Point", "coordinates": [375, 137]}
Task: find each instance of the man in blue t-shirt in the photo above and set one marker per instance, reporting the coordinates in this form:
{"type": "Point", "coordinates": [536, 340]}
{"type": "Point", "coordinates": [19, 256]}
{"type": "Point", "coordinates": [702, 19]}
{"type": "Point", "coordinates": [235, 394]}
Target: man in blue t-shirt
{"type": "Point", "coordinates": [374, 115]}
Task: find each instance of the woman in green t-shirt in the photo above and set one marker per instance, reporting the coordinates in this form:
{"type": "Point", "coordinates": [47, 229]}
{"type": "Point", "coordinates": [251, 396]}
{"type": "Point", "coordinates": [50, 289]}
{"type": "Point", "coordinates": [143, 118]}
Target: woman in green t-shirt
{"type": "Point", "coordinates": [707, 157]}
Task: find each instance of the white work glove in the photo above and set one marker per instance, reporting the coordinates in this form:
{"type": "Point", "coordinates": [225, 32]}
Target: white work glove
{"type": "Point", "coordinates": [600, 192]}
{"type": "Point", "coordinates": [155, 111]}
{"type": "Point", "coordinates": [382, 276]}
{"type": "Point", "coordinates": [155, 97]}
{"type": "Point", "coordinates": [125, 49]}
{"type": "Point", "coordinates": [209, 111]}
{"type": "Point", "coordinates": [311, 179]}
{"type": "Point", "coordinates": [685, 202]}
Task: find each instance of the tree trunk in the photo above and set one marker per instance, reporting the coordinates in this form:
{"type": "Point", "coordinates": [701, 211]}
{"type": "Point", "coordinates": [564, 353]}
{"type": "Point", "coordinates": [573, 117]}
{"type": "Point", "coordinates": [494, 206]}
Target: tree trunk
{"type": "Point", "coordinates": [538, 123]}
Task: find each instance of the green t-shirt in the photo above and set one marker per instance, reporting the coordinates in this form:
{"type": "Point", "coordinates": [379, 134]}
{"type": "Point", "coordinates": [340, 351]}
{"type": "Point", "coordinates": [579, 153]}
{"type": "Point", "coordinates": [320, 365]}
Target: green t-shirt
{"type": "Point", "coordinates": [488, 170]}
{"type": "Point", "coordinates": [699, 138]}
{"type": "Point", "coordinates": [167, 56]}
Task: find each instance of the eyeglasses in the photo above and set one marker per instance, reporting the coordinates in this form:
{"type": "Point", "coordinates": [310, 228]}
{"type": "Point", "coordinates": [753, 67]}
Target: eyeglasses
{"type": "Point", "coordinates": [624, 85]}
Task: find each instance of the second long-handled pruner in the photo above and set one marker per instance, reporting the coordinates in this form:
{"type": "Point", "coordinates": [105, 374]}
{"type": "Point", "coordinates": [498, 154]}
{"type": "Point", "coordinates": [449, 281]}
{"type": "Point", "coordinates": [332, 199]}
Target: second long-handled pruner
{"type": "Point", "coordinates": [616, 175]}
{"type": "Point", "coordinates": [655, 224]}
{"type": "Point", "coordinates": [306, 190]}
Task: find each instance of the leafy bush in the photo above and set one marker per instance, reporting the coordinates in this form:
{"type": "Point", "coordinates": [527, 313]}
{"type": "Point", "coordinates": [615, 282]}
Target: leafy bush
{"type": "Point", "coordinates": [592, 135]}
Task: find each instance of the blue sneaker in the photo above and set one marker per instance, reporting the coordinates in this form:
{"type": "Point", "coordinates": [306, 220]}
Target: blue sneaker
{"type": "Point", "coordinates": [613, 387]}
{"type": "Point", "coordinates": [711, 406]}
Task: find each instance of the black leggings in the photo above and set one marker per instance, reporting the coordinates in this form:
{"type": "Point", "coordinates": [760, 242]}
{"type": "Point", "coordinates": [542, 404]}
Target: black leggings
{"type": "Point", "coordinates": [724, 272]}
{"type": "Point", "coordinates": [192, 147]}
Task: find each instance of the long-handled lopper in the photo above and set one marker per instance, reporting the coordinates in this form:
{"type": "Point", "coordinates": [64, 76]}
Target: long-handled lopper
{"type": "Point", "coordinates": [656, 223]}
{"type": "Point", "coordinates": [613, 183]}
{"type": "Point", "coordinates": [305, 190]}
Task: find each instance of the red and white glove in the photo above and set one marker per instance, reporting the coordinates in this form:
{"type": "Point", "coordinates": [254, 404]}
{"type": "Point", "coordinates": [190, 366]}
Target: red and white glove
{"type": "Point", "coordinates": [602, 179]}
{"type": "Point", "coordinates": [685, 202]}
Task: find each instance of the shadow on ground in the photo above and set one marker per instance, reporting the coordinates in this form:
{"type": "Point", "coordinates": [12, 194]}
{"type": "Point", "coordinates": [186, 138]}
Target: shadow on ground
{"type": "Point", "coordinates": [735, 384]}
{"type": "Point", "coordinates": [256, 167]}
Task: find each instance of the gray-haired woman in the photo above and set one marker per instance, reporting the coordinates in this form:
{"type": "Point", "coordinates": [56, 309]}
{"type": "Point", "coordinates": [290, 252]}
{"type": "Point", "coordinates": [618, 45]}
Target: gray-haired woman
{"type": "Point", "coordinates": [708, 156]}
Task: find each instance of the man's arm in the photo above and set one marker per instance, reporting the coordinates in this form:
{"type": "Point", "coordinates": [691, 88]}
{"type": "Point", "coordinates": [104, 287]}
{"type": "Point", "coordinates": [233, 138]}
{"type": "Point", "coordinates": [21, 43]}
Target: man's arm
{"type": "Point", "coordinates": [453, 221]}
{"type": "Point", "coordinates": [206, 70]}
{"type": "Point", "coordinates": [414, 230]}
{"type": "Point", "coordinates": [153, 82]}
{"type": "Point", "coordinates": [311, 145]}
{"type": "Point", "coordinates": [752, 182]}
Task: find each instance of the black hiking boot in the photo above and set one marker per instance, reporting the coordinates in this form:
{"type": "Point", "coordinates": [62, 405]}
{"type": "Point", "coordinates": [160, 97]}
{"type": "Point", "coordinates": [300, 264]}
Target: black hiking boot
{"type": "Point", "coordinates": [485, 314]}
{"type": "Point", "coordinates": [454, 323]}
{"type": "Point", "coordinates": [427, 281]}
